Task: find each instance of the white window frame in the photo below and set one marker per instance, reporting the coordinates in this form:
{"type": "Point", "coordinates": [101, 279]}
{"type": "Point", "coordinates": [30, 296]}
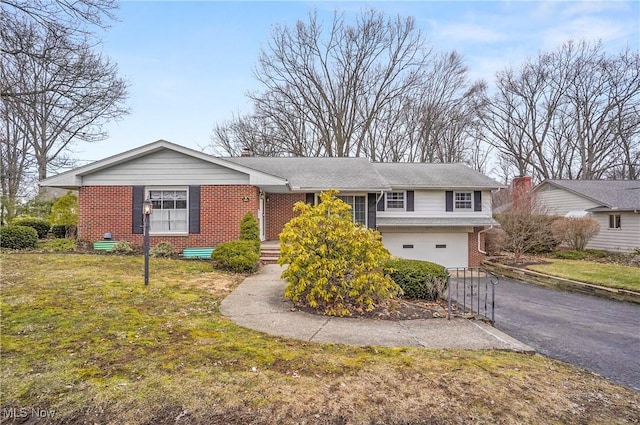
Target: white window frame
{"type": "Point", "coordinates": [617, 221]}
{"type": "Point", "coordinates": [455, 201]}
{"type": "Point", "coordinates": [353, 211]}
{"type": "Point", "coordinates": [404, 200]}
{"type": "Point", "coordinates": [185, 189]}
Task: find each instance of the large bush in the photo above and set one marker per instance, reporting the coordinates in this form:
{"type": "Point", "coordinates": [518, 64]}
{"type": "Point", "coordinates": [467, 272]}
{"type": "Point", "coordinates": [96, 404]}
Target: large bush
{"type": "Point", "coordinates": [236, 256]}
{"type": "Point", "coordinates": [575, 232]}
{"type": "Point", "coordinates": [527, 232]}
{"type": "Point", "coordinates": [18, 237]}
{"type": "Point", "coordinates": [334, 263]}
{"type": "Point", "coordinates": [418, 279]}
{"type": "Point", "coordinates": [41, 226]}
{"type": "Point", "coordinates": [249, 230]}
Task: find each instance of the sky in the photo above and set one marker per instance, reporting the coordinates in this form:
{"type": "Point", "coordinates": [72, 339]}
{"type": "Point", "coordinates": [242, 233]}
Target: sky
{"type": "Point", "coordinates": [190, 64]}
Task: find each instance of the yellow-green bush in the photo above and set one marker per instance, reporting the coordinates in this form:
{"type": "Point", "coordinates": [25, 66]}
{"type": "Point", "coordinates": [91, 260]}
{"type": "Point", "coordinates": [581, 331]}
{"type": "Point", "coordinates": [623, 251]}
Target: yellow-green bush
{"type": "Point", "coordinates": [334, 263]}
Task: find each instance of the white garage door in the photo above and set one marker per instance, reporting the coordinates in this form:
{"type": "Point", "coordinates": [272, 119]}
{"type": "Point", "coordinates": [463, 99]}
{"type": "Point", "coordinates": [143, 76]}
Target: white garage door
{"type": "Point", "coordinates": [447, 249]}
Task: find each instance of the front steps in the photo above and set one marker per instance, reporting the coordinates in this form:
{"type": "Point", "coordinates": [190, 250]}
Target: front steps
{"type": "Point", "coordinates": [269, 253]}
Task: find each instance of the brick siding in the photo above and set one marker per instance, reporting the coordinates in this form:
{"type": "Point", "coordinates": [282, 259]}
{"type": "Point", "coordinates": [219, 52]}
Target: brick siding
{"type": "Point", "coordinates": [279, 210]}
{"type": "Point", "coordinates": [105, 209]}
{"type": "Point", "coordinates": [476, 257]}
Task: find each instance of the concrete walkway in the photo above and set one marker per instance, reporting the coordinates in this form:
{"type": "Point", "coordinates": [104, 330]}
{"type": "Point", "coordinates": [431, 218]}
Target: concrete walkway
{"type": "Point", "coordinates": [259, 304]}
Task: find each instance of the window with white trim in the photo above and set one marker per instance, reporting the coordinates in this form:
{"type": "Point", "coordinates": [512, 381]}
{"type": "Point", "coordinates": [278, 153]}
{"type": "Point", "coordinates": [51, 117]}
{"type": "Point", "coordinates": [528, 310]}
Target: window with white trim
{"type": "Point", "coordinates": [463, 201]}
{"type": "Point", "coordinates": [395, 200]}
{"type": "Point", "coordinates": [614, 221]}
{"type": "Point", "coordinates": [170, 211]}
{"type": "Point", "coordinates": [358, 207]}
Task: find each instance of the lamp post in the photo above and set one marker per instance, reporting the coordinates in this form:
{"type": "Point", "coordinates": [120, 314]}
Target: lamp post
{"type": "Point", "coordinates": [147, 209]}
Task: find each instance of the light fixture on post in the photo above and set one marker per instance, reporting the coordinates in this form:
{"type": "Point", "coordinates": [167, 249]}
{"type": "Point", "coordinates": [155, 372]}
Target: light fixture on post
{"type": "Point", "coordinates": [147, 209]}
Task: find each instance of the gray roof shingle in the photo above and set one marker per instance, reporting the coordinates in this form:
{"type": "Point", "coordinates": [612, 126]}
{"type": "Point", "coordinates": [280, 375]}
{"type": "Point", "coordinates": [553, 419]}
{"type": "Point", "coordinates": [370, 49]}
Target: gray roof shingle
{"type": "Point", "coordinates": [360, 174]}
{"type": "Point", "coordinates": [438, 176]}
{"type": "Point", "coordinates": [616, 194]}
{"type": "Point", "coordinates": [354, 174]}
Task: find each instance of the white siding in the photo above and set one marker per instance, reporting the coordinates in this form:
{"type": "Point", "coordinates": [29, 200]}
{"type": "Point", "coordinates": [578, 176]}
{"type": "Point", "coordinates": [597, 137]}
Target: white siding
{"type": "Point", "coordinates": [431, 203]}
{"type": "Point", "coordinates": [624, 239]}
{"type": "Point", "coordinates": [162, 168]}
{"type": "Point", "coordinates": [558, 201]}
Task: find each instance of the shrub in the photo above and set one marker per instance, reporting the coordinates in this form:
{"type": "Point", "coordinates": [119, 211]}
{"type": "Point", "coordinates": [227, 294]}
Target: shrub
{"type": "Point", "coordinates": [65, 210]}
{"type": "Point", "coordinates": [64, 231]}
{"type": "Point", "coordinates": [123, 248]}
{"type": "Point", "coordinates": [162, 249]}
{"type": "Point", "coordinates": [41, 226]}
{"type": "Point", "coordinates": [236, 256]}
{"type": "Point", "coordinates": [418, 279]}
{"type": "Point", "coordinates": [57, 245]}
{"type": "Point", "coordinates": [18, 237]}
{"type": "Point", "coordinates": [334, 263]}
{"type": "Point", "coordinates": [527, 232]}
{"type": "Point", "coordinates": [495, 241]}
{"type": "Point", "coordinates": [575, 232]}
{"type": "Point", "coordinates": [249, 230]}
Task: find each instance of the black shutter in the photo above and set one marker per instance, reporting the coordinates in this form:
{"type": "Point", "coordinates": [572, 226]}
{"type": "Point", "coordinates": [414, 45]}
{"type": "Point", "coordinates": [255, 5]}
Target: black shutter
{"type": "Point", "coordinates": [310, 198]}
{"type": "Point", "coordinates": [409, 200]}
{"type": "Point", "coordinates": [477, 200]}
{"type": "Point", "coordinates": [449, 200]}
{"type": "Point", "coordinates": [380, 206]}
{"type": "Point", "coordinates": [136, 210]}
{"type": "Point", "coordinates": [194, 209]}
{"type": "Point", "coordinates": [371, 210]}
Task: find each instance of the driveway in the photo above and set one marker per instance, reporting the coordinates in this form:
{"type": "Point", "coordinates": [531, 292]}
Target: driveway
{"type": "Point", "coordinates": [594, 333]}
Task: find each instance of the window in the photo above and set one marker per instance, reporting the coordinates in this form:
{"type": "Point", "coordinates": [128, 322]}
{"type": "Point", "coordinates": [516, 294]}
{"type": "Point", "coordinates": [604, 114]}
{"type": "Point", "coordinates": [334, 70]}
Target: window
{"type": "Point", "coordinates": [170, 211]}
{"type": "Point", "coordinates": [614, 221]}
{"type": "Point", "coordinates": [358, 207]}
{"type": "Point", "coordinates": [462, 201]}
{"type": "Point", "coordinates": [395, 200]}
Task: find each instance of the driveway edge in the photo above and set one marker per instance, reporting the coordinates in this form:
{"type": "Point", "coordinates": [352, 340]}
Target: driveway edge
{"type": "Point", "coordinates": [548, 281]}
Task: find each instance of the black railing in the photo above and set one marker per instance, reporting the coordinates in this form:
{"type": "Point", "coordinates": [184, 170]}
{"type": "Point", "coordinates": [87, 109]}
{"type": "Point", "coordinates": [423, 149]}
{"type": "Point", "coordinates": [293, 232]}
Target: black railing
{"type": "Point", "coordinates": [471, 293]}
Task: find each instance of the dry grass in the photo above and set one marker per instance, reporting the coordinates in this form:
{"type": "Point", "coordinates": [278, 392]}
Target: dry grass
{"type": "Point", "coordinates": [81, 335]}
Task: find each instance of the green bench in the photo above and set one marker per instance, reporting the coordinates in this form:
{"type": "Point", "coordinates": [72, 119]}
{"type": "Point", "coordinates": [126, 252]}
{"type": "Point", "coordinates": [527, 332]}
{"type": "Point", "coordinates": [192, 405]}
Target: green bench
{"type": "Point", "coordinates": [197, 252]}
{"type": "Point", "coordinates": [104, 245]}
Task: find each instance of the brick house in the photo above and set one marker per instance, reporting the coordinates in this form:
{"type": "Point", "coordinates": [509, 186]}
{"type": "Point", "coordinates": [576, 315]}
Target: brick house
{"type": "Point", "coordinates": [436, 212]}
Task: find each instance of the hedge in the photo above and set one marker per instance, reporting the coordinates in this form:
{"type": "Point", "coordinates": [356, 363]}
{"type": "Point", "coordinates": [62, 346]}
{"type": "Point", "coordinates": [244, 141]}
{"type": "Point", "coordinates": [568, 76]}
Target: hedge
{"type": "Point", "coordinates": [41, 226]}
{"type": "Point", "coordinates": [236, 256]}
{"type": "Point", "coordinates": [418, 279]}
{"type": "Point", "coordinates": [18, 237]}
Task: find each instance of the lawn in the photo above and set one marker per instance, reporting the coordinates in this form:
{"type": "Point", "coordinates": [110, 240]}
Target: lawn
{"type": "Point", "coordinates": [82, 336]}
{"type": "Point", "coordinates": [610, 275]}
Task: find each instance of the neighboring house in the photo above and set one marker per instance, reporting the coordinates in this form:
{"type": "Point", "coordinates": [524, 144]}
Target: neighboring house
{"type": "Point", "coordinates": [615, 204]}
{"type": "Point", "coordinates": [436, 212]}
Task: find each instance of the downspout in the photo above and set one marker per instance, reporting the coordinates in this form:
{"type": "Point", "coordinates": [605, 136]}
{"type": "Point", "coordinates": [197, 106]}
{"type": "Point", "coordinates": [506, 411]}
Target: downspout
{"type": "Point", "coordinates": [479, 233]}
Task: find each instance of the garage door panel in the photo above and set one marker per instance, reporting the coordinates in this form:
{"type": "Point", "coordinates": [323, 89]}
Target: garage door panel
{"type": "Point", "coordinates": [447, 249]}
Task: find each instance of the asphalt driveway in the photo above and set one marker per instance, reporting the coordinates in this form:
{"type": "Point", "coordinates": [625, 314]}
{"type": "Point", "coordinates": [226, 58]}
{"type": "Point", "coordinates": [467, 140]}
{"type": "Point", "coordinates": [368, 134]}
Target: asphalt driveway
{"type": "Point", "coordinates": [594, 333]}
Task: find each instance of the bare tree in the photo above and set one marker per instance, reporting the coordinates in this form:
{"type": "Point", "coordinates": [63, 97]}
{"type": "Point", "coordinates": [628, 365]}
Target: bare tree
{"type": "Point", "coordinates": [372, 88]}
{"type": "Point", "coordinates": [572, 113]}
{"type": "Point", "coordinates": [62, 100]}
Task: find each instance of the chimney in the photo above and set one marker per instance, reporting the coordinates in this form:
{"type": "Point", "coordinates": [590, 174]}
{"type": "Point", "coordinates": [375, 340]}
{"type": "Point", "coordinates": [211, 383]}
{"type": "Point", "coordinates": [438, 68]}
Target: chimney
{"type": "Point", "coordinates": [246, 152]}
{"type": "Point", "coordinates": [521, 192]}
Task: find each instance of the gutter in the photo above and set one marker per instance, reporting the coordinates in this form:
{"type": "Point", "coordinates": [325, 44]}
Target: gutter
{"type": "Point", "coordinates": [479, 233]}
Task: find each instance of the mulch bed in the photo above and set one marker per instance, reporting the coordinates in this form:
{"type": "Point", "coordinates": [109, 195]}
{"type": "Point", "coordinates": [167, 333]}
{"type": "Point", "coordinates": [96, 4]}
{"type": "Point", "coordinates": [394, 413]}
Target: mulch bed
{"type": "Point", "coordinates": [402, 309]}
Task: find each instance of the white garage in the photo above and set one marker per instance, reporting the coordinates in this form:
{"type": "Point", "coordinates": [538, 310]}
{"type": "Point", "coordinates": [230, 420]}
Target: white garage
{"type": "Point", "coordinates": [447, 249]}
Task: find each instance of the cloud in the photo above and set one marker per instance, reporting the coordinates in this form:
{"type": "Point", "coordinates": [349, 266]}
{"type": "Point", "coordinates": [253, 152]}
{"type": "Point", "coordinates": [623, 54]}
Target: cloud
{"type": "Point", "coordinates": [587, 27]}
{"type": "Point", "coordinates": [467, 32]}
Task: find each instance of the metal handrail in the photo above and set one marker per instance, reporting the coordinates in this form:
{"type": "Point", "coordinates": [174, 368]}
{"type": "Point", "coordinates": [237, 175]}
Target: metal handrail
{"type": "Point", "coordinates": [476, 282]}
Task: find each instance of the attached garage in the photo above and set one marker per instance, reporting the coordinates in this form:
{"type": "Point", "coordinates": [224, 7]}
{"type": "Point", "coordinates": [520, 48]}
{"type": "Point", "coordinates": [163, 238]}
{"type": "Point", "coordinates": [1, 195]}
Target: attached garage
{"type": "Point", "coordinates": [447, 249]}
